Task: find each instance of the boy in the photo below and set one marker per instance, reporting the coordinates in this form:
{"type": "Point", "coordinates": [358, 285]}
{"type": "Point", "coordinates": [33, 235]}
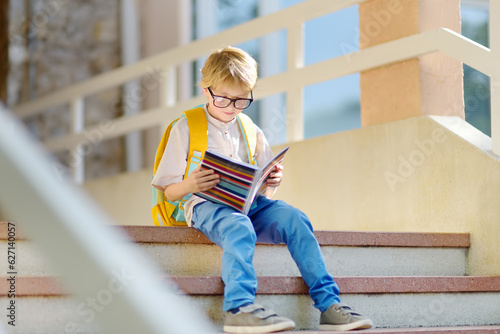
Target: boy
{"type": "Point", "coordinates": [228, 79]}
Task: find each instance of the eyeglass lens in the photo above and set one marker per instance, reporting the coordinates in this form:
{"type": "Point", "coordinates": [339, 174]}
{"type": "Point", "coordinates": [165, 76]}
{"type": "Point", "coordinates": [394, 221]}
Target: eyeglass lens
{"type": "Point", "coordinates": [223, 102]}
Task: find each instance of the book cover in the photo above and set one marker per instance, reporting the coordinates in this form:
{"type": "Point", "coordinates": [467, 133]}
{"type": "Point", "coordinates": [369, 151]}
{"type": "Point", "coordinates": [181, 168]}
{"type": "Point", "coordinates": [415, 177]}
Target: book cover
{"type": "Point", "coordinates": [240, 182]}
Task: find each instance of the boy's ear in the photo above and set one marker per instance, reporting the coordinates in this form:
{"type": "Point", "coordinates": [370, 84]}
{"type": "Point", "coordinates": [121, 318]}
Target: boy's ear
{"type": "Point", "coordinates": [206, 93]}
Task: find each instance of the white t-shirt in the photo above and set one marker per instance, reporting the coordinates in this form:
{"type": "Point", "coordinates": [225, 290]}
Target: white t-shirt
{"type": "Point", "coordinates": [223, 138]}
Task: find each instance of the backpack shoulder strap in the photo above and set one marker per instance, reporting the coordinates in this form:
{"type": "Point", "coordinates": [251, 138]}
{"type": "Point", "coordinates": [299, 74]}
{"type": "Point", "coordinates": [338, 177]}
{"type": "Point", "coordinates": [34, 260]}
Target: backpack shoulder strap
{"type": "Point", "coordinates": [159, 205]}
{"type": "Point", "coordinates": [249, 132]}
{"type": "Point", "coordinates": [172, 213]}
{"type": "Point", "coordinates": [198, 138]}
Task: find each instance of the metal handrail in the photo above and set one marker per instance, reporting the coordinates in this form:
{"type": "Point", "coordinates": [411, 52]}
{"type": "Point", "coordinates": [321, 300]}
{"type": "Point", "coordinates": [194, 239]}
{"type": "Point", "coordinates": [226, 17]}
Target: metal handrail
{"type": "Point", "coordinates": [291, 81]}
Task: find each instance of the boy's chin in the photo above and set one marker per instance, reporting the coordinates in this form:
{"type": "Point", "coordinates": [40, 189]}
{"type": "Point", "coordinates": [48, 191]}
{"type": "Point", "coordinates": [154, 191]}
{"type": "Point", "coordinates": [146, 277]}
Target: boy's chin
{"type": "Point", "coordinates": [227, 117]}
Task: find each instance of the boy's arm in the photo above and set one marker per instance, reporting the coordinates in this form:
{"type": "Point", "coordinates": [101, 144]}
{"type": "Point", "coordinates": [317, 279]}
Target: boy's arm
{"type": "Point", "coordinates": [270, 191]}
{"type": "Point", "coordinates": [195, 182]}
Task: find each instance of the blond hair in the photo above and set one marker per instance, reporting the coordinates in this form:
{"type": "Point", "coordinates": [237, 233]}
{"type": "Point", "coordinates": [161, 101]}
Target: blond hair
{"type": "Point", "coordinates": [231, 67]}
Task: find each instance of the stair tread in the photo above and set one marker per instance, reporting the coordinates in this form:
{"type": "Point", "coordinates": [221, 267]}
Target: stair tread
{"type": "Point", "coordinates": [213, 285]}
{"type": "Point", "coordinates": [156, 234]}
{"type": "Point", "coordinates": [188, 235]}
{"type": "Point", "coordinates": [427, 330]}
{"type": "Point", "coordinates": [350, 285]}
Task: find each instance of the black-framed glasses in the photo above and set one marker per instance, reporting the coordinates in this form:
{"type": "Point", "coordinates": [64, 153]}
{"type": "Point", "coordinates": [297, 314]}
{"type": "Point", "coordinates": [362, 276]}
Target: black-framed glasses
{"type": "Point", "coordinates": [224, 102]}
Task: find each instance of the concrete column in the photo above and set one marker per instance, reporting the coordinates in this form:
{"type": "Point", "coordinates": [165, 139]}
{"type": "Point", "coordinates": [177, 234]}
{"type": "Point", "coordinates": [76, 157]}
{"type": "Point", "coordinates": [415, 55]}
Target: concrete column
{"type": "Point", "coordinates": [428, 85]}
{"type": "Point", "coordinates": [164, 25]}
{"type": "Point", "coordinates": [206, 25]}
{"type": "Point", "coordinates": [130, 49]}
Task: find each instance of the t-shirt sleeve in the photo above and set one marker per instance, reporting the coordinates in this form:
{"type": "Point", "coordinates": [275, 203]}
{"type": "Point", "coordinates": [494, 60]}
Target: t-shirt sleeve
{"type": "Point", "coordinates": [174, 160]}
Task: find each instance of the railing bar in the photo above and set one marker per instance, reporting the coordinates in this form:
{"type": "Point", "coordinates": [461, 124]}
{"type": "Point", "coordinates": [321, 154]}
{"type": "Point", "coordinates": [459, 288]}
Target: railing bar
{"type": "Point", "coordinates": [495, 76]}
{"type": "Point", "coordinates": [376, 56]}
{"type": "Point", "coordinates": [495, 112]}
{"type": "Point", "coordinates": [344, 65]}
{"type": "Point", "coordinates": [267, 86]}
{"type": "Point", "coordinates": [77, 115]}
{"type": "Point", "coordinates": [294, 94]}
{"type": "Point", "coordinates": [256, 28]}
{"type": "Point", "coordinates": [78, 124]}
{"type": "Point", "coordinates": [458, 46]}
{"type": "Point", "coordinates": [494, 26]}
{"type": "Point", "coordinates": [295, 114]}
{"type": "Point", "coordinates": [464, 49]}
{"type": "Point", "coordinates": [296, 52]}
{"type": "Point", "coordinates": [133, 140]}
{"type": "Point", "coordinates": [168, 87]}
{"type": "Point", "coordinates": [123, 125]}
{"type": "Point", "coordinates": [329, 69]}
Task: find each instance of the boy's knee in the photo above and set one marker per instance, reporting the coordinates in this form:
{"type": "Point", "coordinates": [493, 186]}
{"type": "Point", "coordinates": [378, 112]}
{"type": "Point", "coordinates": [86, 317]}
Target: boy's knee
{"type": "Point", "coordinates": [241, 228]}
{"type": "Point", "coordinates": [292, 213]}
{"type": "Point", "coordinates": [296, 222]}
{"type": "Point", "coordinates": [245, 227]}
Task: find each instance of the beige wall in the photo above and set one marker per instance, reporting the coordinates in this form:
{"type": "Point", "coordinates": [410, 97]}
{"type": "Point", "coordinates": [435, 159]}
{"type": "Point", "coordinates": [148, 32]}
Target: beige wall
{"type": "Point", "coordinates": [126, 197]}
{"type": "Point", "coordinates": [410, 175]}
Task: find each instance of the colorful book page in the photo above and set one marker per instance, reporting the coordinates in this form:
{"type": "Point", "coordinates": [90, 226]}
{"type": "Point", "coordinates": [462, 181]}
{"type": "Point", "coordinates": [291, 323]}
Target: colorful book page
{"type": "Point", "coordinates": [240, 183]}
{"type": "Point", "coordinates": [235, 180]}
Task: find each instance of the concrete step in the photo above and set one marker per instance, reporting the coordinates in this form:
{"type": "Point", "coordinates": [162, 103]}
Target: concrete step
{"type": "Point", "coordinates": [181, 251]}
{"type": "Point", "coordinates": [410, 279]}
{"type": "Point", "coordinates": [391, 302]}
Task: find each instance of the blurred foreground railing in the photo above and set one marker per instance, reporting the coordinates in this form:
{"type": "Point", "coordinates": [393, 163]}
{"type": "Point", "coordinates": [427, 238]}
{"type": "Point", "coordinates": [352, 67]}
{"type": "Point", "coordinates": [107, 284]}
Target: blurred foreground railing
{"type": "Point", "coordinates": [74, 235]}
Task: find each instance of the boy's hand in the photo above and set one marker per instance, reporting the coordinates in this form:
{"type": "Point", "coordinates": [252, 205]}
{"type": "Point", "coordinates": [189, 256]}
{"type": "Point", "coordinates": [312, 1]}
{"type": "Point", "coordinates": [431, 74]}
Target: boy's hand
{"type": "Point", "coordinates": [202, 180]}
{"type": "Point", "coordinates": [275, 177]}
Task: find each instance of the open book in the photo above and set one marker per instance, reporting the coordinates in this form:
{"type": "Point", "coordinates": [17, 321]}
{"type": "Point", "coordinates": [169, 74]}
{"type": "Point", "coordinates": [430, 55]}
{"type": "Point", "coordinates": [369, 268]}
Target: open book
{"type": "Point", "coordinates": [240, 182]}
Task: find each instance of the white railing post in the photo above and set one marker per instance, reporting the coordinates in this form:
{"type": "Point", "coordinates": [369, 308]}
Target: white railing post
{"type": "Point", "coordinates": [168, 87]}
{"type": "Point", "coordinates": [271, 116]}
{"type": "Point", "coordinates": [495, 75]}
{"type": "Point", "coordinates": [167, 93]}
{"type": "Point", "coordinates": [77, 161]}
{"type": "Point", "coordinates": [295, 95]}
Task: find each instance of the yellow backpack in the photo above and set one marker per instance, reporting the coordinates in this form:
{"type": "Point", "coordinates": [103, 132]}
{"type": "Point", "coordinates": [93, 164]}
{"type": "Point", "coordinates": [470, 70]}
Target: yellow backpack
{"type": "Point", "coordinates": [166, 213]}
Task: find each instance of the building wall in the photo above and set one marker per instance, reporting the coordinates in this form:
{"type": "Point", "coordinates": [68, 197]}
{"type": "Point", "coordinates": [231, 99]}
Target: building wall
{"type": "Point", "coordinates": [54, 44]}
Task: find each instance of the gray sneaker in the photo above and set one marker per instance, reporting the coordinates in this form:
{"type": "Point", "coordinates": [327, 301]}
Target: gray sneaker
{"type": "Point", "coordinates": [255, 319]}
{"type": "Point", "coordinates": [340, 317]}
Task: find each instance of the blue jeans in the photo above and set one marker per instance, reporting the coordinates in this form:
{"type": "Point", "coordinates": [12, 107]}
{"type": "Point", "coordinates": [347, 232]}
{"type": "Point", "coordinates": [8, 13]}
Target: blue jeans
{"type": "Point", "coordinates": [269, 222]}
